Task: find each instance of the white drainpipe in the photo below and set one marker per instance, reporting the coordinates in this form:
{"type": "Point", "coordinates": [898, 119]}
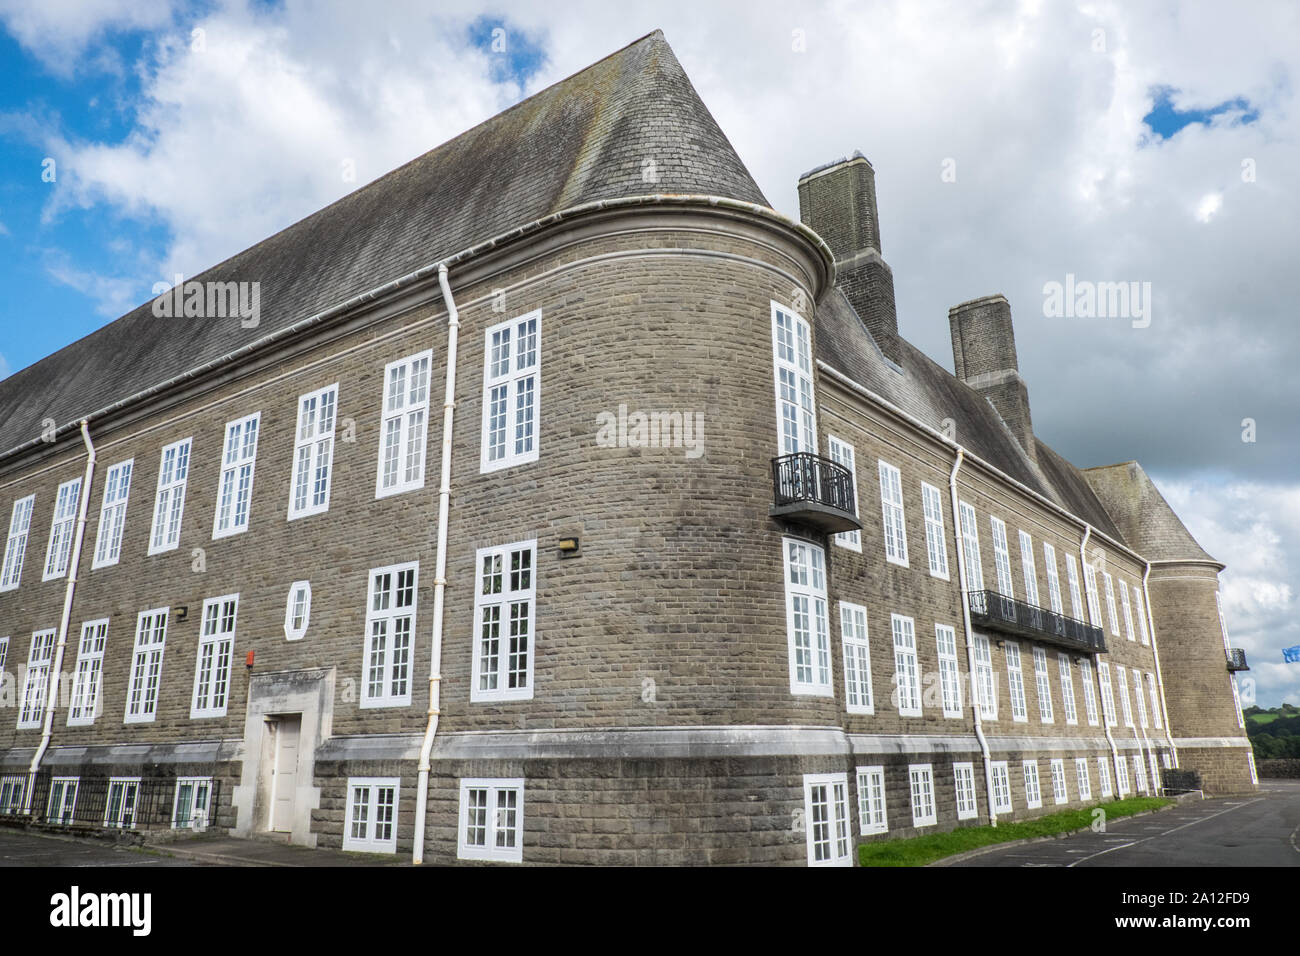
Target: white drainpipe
{"type": "Point", "coordinates": [74, 561]}
{"type": "Point", "coordinates": [440, 570]}
{"type": "Point", "coordinates": [965, 617]}
{"type": "Point", "coordinates": [1160, 678]}
{"type": "Point", "coordinates": [1105, 715]}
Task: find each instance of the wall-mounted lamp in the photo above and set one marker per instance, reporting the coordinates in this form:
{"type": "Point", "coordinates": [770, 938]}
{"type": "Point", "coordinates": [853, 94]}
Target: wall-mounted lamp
{"type": "Point", "coordinates": [182, 613]}
{"type": "Point", "coordinates": [568, 547]}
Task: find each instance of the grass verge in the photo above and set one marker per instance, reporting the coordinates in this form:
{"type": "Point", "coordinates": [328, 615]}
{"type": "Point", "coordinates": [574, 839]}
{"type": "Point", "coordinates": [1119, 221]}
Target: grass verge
{"type": "Point", "coordinates": [919, 851]}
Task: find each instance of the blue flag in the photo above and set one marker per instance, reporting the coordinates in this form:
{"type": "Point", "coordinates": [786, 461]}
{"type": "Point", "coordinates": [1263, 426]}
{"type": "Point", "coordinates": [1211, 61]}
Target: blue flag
{"type": "Point", "coordinates": [1291, 655]}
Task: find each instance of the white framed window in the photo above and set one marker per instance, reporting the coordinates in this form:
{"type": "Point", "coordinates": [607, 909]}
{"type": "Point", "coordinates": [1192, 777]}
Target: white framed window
{"type": "Point", "coordinates": [1107, 693]}
{"type": "Point", "coordinates": [512, 387]}
{"type": "Point", "coordinates": [216, 648]}
{"type": "Point", "coordinates": [61, 528]}
{"type": "Point", "coordinates": [945, 639]}
{"type": "Point", "coordinates": [1072, 577]}
{"type": "Point", "coordinates": [313, 452]}
{"type": "Point", "coordinates": [371, 823]}
{"type": "Point", "coordinates": [390, 628]}
{"type": "Point", "coordinates": [297, 611]}
{"type": "Point", "coordinates": [936, 547]}
{"type": "Point", "coordinates": [842, 453]}
{"type": "Point", "coordinates": [1254, 774]}
{"type": "Point", "coordinates": [857, 659]}
{"type": "Point", "coordinates": [491, 820]}
{"type": "Point", "coordinates": [404, 425]}
{"type": "Point", "coordinates": [891, 505]}
{"type": "Point", "coordinates": [1103, 777]}
{"type": "Point", "coordinates": [907, 672]}
{"type": "Point", "coordinates": [36, 683]}
{"type": "Point", "coordinates": [505, 607]}
{"type": "Point", "coordinates": [1140, 609]}
{"type": "Point", "coordinates": [923, 808]}
{"type": "Point", "coordinates": [1084, 780]}
{"type": "Point", "coordinates": [1154, 694]}
{"type": "Point", "coordinates": [1033, 792]}
{"type": "Point", "coordinates": [1002, 557]}
{"type": "Point", "coordinates": [1121, 776]}
{"type": "Point", "coordinates": [112, 514]}
{"type": "Point", "coordinates": [1139, 773]}
{"type": "Point", "coordinates": [1043, 684]}
{"type": "Point", "coordinates": [826, 819]}
{"type": "Point", "coordinates": [1111, 611]}
{"type": "Point", "coordinates": [4, 653]}
{"type": "Point", "coordinates": [796, 410]}
{"type": "Point", "coordinates": [20, 526]}
{"type": "Point", "coordinates": [964, 779]}
{"type": "Point", "coordinates": [1053, 579]}
{"type": "Point", "coordinates": [1067, 689]}
{"type": "Point", "coordinates": [1028, 571]}
{"type": "Point", "coordinates": [1128, 611]}
{"type": "Point", "coordinates": [169, 503]}
{"type": "Point", "coordinates": [146, 666]}
{"type": "Point", "coordinates": [235, 488]}
{"type": "Point", "coordinates": [1089, 696]}
{"type": "Point", "coordinates": [62, 804]}
{"type": "Point", "coordinates": [119, 809]}
{"type": "Point", "coordinates": [871, 800]}
{"type": "Point", "coordinates": [190, 808]}
{"type": "Point", "coordinates": [1090, 586]}
{"type": "Point", "coordinates": [1060, 790]}
{"type": "Point", "coordinates": [1155, 774]}
{"type": "Point", "coordinates": [12, 789]}
{"type": "Point", "coordinates": [1121, 681]}
{"type": "Point", "coordinates": [985, 687]}
{"type": "Point", "coordinates": [86, 704]}
{"type": "Point", "coordinates": [970, 542]}
{"type": "Point", "coordinates": [1016, 683]}
{"type": "Point", "coordinates": [1139, 698]}
{"type": "Point", "coordinates": [1001, 787]}
{"type": "Point", "coordinates": [806, 625]}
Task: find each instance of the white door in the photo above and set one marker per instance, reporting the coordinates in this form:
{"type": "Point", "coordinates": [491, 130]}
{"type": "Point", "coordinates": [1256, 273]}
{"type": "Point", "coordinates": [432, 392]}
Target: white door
{"type": "Point", "coordinates": [285, 784]}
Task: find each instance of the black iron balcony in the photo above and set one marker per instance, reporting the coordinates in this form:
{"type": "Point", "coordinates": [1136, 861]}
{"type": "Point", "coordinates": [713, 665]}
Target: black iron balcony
{"type": "Point", "coordinates": [1237, 659]}
{"type": "Point", "coordinates": [815, 491]}
{"type": "Point", "coordinates": [999, 613]}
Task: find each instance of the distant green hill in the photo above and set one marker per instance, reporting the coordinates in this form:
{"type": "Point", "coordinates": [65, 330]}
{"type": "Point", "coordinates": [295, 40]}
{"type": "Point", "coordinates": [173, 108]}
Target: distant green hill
{"type": "Point", "coordinates": [1275, 732]}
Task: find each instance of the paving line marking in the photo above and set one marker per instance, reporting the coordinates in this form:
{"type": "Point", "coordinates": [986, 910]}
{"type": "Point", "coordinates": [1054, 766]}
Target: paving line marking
{"type": "Point", "coordinates": [1167, 832]}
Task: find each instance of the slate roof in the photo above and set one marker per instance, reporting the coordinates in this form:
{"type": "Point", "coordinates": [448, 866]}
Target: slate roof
{"type": "Point", "coordinates": [1145, 518]}
{"type": "Point", "coordinates": [582, 140]}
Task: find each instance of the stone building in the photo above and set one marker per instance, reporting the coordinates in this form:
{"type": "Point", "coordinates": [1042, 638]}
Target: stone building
{"type": "Point", "coordinates": [558, 501]}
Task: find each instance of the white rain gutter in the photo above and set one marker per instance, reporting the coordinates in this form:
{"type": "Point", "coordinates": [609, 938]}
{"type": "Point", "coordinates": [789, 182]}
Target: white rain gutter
{"type": "Point", "coordinates": [970, 641]}
{"type": "Point", "coordinates": [74, 560]}
{"type": "Point", "coordinates": [440, 571]}
{"type": "Point", "coordinates": [1160, 677]}
{"type": "Point", "coordinates": [1105, 714]}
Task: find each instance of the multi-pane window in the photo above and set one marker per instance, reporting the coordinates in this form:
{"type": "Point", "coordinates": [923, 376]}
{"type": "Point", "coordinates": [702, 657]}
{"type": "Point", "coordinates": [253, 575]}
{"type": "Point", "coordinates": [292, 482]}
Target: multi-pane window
{"type": "Point", "coordinates": [1067, 689]}
{"type": "Point", "coordinates": [1139, 773]}
{"type": "Point", "coordinates": [119, 809]}
{"type": "Point", "coordinates": [795, 407]}
{"type": "Point", "coordinates": [1121, 682]}
{"type": "Point", "coordinates": [4, 654]}
{"type": "Point", "coordinates": [1002, 557]}
{"type": "Point", "coordinates": [36, 684]}
{"type": "Point", "coordinates": [1128, 611]}
{"type": "Point", "coordinates": [1089, 696]}
{"type": "Point", "coordinates": [891, 504]}
{"type": "Point", "coordinates": [1053, 579]}
{"type": "Point", "coordinates": [511, 389]}
{"type": "Point", "coordinates": [1090, 585]}
{"type": "Point", "coordinates": [1016, 683]}
{"type": "Point", "coordinates": [169, 505]}
{"type": "Point", "coordinates": [842, 453]}
{"type": "Point", "coordinates": [871, 800]}
{"type": "Point", "coordinates": [1033, 793]}
{"type": "Point", "coordinates": [1060, 792]}
{"type": "Point", "coordinates": [1001, 787]}
{"type": "Point", "coordinates": [63, 801]}
{"type": "Point", "coordinates": [1121, 776]}
{"type": "Point", "coordinates": [390, 630]}
{"type": "Point", "coordinates": [505, 607]}
{"type": "Point", "coordinates": [936, 547]}
{"type": "Point", "coordinates": [20, 526]}
{"type": "Point", "coordinates": [1140, 610]}
{"type": "Point", "coordinates": [61, 528]}
{"type": "Point", "coordinates": [907, 673]}
{"type": "Point", "coordinates": [1085, 781]}
{"type": "Point", "coordinates": [1103, 777]}
{"type": "Point", "coordinates": [857, 659]}
{"type": "Point", "coordinates": [1072, 577]}
{"type": "Point", "coordinates": [1043, 684]}
{"type": "Point", "coordinates": [1107, 693]}
{"type": "Point", "coordinates": [949, 670]}
{"type": "Point", "coordinates": [1254, 774]}
{"type": "Point", "coordinates": [1029, 572]}
{"type": "Point", "coordinates": [1155, 701]}
{"type": "Point", "coordinates": [11, 794]}
{"type": "Point", "coordinates": [1111, 612]}
{"type": "Point", "coordinates": [235, 488]}
{"type": "Point", "coordinates": [923, 808]}
{"type": "Point", "coordinates": [826, 819]}
{"type": "Point", "coordinates": [404, 425]}
{"type": "Point", "coordinates": [297, 610]}
{"type": "Point", "coordinates": [112, 514]}
{"type": "Point", "coordinates": [1139, 698]}
{"type": "Point", "coordinates": [216, 647]}
{"type": "Point", "coordinates": [491, 820]}
{"type": "Point", "coordinates": [86, 705]}
{"type": "Point", "coordinates": [1232, 678]}
{"type": "Point", "coordinates": [146, 666]}
{"type": "Point", "coordinates": [970, 542]}
{"type": "Point", "coordinates": [371, 822]}
{"type": "Point", "coordinates": [985, 688]}
{"type": "Point", "coordinates": [190, 810]}
{"type": "Point", "coordinates": [313, 452]}
{"type": "Point", "coordinates": [964, 779]}
{"type": "Point", "coordinates": [806, 625]}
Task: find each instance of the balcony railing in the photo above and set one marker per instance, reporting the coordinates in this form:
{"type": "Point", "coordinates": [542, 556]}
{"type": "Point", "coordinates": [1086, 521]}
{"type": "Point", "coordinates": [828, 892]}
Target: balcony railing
{"type": "Point", "coordinates": [1237, 659]}
{"type": "Point", "coordinates": [1000, 613]}
{"type": "Point", "coordinates": [815, 491]}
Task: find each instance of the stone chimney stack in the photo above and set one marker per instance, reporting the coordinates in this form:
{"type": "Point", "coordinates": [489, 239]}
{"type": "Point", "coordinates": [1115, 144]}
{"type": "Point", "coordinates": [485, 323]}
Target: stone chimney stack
{"type": "Point", "coordinates": [838, 202]}
{"type": "Point", "coordinates": [984, 357]}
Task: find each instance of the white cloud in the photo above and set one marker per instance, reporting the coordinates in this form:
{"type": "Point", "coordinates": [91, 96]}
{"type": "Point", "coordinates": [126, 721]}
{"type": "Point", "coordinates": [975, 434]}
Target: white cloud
{"type": "Point", "coordinates": [1210, 204]}
{"type": "Point", "coordinates": [59, 31]}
